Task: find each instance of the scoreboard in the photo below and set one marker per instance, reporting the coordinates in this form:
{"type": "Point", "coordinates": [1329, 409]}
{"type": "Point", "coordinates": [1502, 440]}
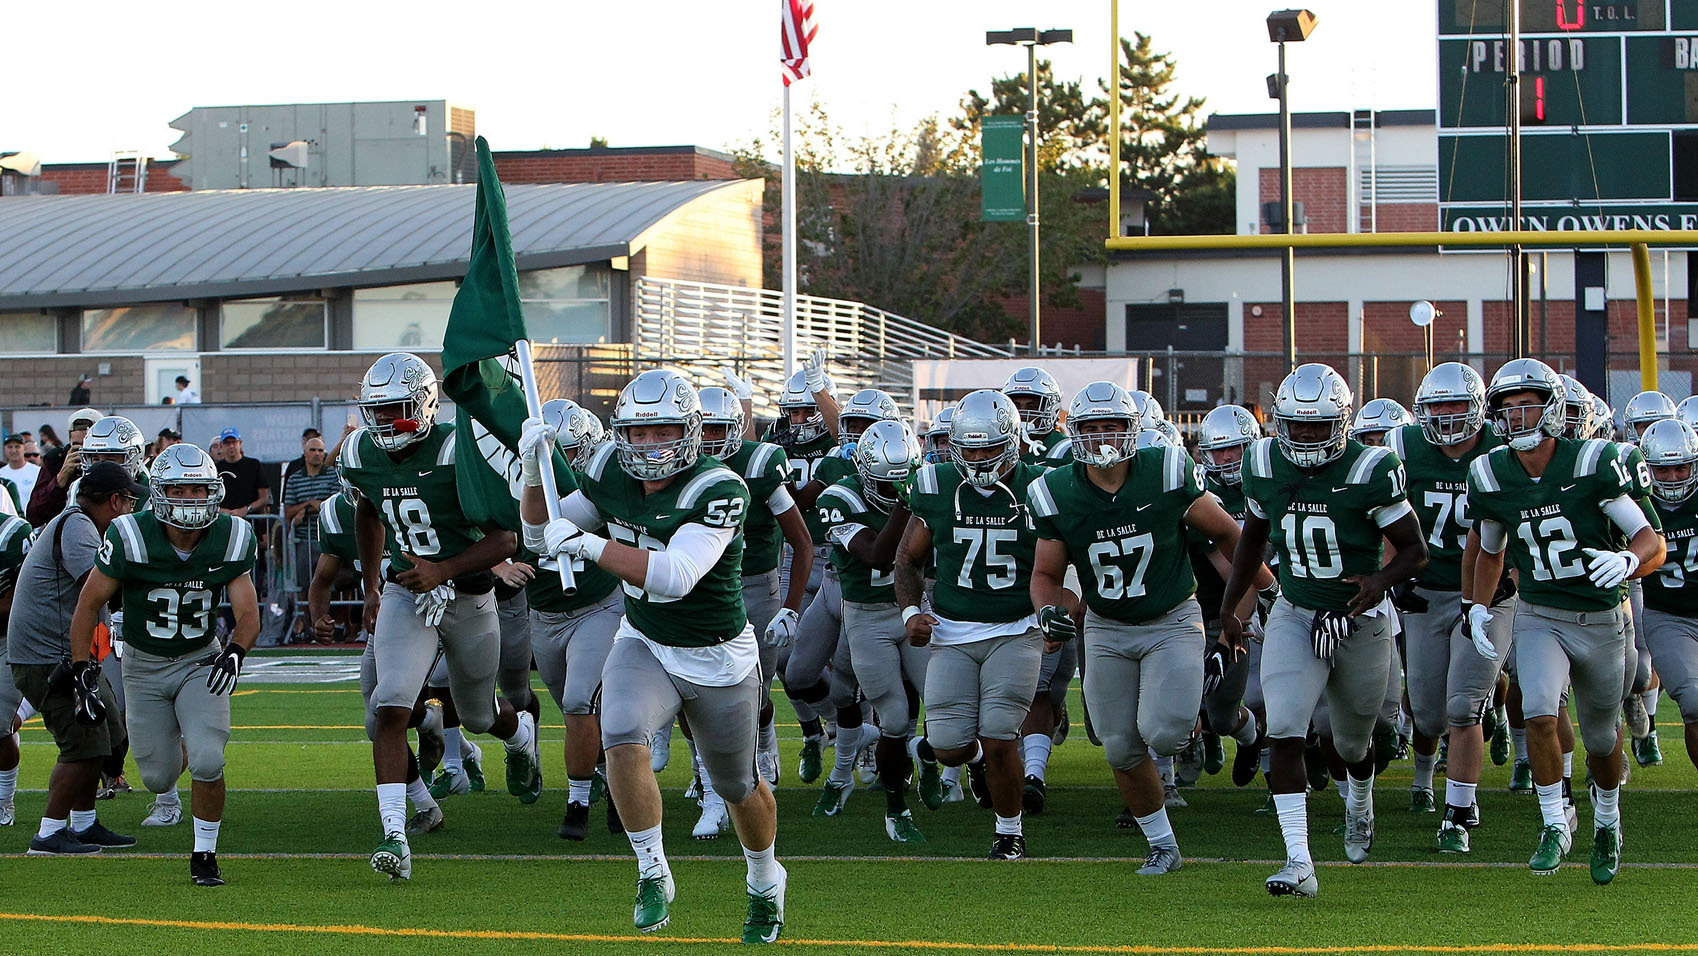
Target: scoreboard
{"type": "Point", "coordinates": [1608, 105]}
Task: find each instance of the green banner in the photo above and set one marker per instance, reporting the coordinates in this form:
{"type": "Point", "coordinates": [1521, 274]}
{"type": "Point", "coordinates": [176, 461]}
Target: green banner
{"type": "Point", "coordinates": [1003, 177]}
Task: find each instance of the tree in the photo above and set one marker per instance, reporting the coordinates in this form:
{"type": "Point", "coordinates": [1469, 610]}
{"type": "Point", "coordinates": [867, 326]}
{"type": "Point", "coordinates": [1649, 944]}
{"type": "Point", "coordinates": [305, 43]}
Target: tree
{"type": "Point", "coordinates": [1163, 147]}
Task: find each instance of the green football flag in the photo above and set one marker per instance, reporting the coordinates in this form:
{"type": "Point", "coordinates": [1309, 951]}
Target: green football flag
{"type": "Point", "coordinates": [490, 401]}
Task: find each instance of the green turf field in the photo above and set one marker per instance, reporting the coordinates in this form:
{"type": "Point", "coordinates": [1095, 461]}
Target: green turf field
{"type": "Point", "coordinates": [302, 818]}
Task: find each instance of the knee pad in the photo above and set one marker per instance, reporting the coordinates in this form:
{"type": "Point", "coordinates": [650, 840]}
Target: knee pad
{"type": "Point", "coordinates": [1124, 752]}
{"type": "Point", "coordinates": [478, 723]}
{"type": "Point", "coordinates": [206, 764]}
{"type": "Point", "coordinates": [1599, 740]}
{"type": "Point", "coordinates": [158, 780]}
{"type": "Point", "coordinates": [736, 791]}
{"type": "Point", "coordinates": [1460, 711]}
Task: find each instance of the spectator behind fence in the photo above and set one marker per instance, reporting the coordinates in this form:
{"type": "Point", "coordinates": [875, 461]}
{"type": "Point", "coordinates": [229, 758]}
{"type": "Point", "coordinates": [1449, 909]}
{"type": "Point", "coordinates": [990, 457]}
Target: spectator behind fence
{"type": "Point", "coordinates": [245, 489]}
{"type": "Point", "coordinates": [79, 392]}
{"type": "Point", "coordinates": [185, 394]}
{"type": "Point", "coordinates": [304, 493]}
{"type": "Point", "coordinates": [301, 460]}
{"type": "Point", "coordinates": [19, 470]}
{"type": "Point", "coordinates": [64, 464]}
{"type": "Point", "coordinates": [49, 438]}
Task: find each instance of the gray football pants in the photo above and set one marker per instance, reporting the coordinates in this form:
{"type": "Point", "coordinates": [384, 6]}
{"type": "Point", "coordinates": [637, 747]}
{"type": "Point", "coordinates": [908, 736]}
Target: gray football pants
{"type": "Point", "coordinates": [1554, 648]}
{"type": "Point", "coordinates": [1674, 642]}
{"type": "Point", "coordinates": [817, 575]}
{"type": "Point", "coordinates": [1142, 683]}
{"type": "Point", "coordinates": [1450, 684]}
{"type": "Point", "coordinates": [513, 674]}
{"type": "Point", "coordinates": [1056, 673]}
{"type": "Point", "coordinates": [816, 637]}
{"type": "Point", "coordinates": [470, 635]}
{"type": "Point", "coordinates": [761, 601]}
{"type": "Point", "coordinates": [10, 697]}
{"type": "Point", "coordinates": [1220, 709]}
{"type": "Point", "coordinates": [571, 649]}
{"type": "Point", "coordinates": [885, 665]}
{"type": "Point", "coordinates": [982, 689]}
{"type": "Point", "coordinates": [1639, 664]}
{"type": "Point", "coordinates": [639, 697]}
{"type": "Point", "coordinates": [167, 700]}
{"type": "Point", "coordinates": [1353, 681]}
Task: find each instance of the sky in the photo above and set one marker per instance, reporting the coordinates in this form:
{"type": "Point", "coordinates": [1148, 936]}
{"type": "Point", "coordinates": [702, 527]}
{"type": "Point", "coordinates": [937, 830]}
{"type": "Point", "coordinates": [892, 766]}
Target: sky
{"type": "Point", "coordinates": [664, 72]}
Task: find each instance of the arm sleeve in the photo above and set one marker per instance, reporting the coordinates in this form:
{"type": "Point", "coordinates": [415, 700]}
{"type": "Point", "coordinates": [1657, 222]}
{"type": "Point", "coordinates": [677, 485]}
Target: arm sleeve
{"type": "Point", "coordinates": [576, 508]}
{"type": "Point", "coordinates": [1388, 515]}
{"type": "Point", "coordinates": [694, 550]}
{"type": "Point", "coordinates": [780, 501]}
{"type": "Point", "coordinates": [1626, 515]}
{"type": "Point", "coordinates": [1493, 535]}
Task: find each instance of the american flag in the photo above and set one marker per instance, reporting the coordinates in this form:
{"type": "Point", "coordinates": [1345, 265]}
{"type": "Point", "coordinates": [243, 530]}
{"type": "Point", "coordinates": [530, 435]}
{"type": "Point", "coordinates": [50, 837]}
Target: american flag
{"type": "Point", "coordinates": [796, 30]}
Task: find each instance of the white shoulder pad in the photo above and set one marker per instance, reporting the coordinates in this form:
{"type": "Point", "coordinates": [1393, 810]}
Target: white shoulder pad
{"type": "Point", "coordinates": [1363, 471]}
{"type": "Point", "coordinates": [700, 483]}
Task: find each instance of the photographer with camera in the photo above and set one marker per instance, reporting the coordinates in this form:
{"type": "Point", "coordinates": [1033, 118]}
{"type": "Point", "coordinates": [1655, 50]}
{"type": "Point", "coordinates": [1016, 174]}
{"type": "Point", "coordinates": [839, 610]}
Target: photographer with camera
{"type": "Point", "coordinates": [65, 465]}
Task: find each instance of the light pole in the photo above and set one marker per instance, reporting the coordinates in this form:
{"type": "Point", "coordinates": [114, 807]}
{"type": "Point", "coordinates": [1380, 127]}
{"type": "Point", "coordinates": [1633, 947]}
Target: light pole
{"type": "Point", "coordinates": [1031, 38]}
{"type": "Point", "coordinates": [1287, 26]}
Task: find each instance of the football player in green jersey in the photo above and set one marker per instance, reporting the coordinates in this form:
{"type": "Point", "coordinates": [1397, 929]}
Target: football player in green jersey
{"type": "Point", "coordinates": [1377, 419]}
{"type": "Point", "coordinates": [435, 590]}
{"type": "Point", "coordinates": [970, 517]}
{"type": "Point", "coordinates": [1670, 447]}
{"type": "Point", "coordinates": [1037, 395]}
{"type": "Point", "coordinates": [1639, 704]}
{"type": "Point", "coordinates": [674, 520]}
{"type": "Point", "coordinates": [1450, 683]}
{"type": "Point", "coordinates": [171, 566]}
{"type": "Point", "coordinates": [1325, 502]}
{"type": "Point", "coordinates": [1119, 515]}
{"type": "Point", "coordinates": [14, 544]}
{"type": "Point", "coordinates": [1643, 409]}
{"type": "Point", "coordinates": [1557, 509]}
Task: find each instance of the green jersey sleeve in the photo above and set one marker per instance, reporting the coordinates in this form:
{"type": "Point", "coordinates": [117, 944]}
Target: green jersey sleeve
{"type": "Point", "coordinates": [844, 512]}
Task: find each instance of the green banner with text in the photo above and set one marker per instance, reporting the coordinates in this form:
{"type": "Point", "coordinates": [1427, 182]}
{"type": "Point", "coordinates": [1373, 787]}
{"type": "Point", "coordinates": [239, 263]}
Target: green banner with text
{"type": "Point", "coordinates": [1003, 177]}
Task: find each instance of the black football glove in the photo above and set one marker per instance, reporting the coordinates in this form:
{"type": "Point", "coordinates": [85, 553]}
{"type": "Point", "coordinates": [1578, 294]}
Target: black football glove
{"type": "Point", "coordinates": [1404, 598]}
{"type": "Point", "coordinates": [226, 667]}
{"type": "Point", "coordinates": [1057, 624]}
{"type": "Point", "coordinates": [1214, 667]}
{"type": "Point", "coordinates": [1328, 629]}
{"type": "Point", "coordinates": [88, 708]}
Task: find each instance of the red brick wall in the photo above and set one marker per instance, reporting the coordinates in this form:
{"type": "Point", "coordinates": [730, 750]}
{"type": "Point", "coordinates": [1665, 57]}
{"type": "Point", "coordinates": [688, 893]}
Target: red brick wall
{"type": "Point", "coordinates": [1323, 191]}
{"type": "Point", "coordinates": [1402, 217]}
{"type": "Point", "coordinates": [597, 166]}
{"type": "Point", "coordinates": [84, 178]}
{"type": "Point", "coordinates": [1082, 326]}
{"type": "Point", "coordinates": [1386, 327]}
{"type": "Point", "coordinates": [1556, 332]}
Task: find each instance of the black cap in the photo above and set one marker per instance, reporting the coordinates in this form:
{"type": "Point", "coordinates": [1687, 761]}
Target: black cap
{"type": "Point", "coordinates": [14, 439]}
{"type": "Point", "coordinates": [106, 477]}
{"type": "Point", "coordinates": [170, 433]}
{"type": "Point", "coordinates": [310, 432]}
{"type": "Point", "coordinates": [182, 380]}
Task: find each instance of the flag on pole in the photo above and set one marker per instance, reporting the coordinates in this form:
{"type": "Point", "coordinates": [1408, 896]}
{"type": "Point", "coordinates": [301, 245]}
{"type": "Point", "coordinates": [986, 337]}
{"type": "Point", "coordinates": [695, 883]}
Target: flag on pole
{"type": "Point", "coordinates": [485, 321]}
{"type": "Point", "coordinates": [797, 31]}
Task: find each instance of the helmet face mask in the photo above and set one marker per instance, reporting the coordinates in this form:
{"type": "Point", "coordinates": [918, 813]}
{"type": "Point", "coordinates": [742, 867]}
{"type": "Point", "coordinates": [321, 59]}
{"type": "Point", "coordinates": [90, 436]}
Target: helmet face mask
{"type": "Point", "coordinates": [722, 422]}
{"type": "Point", "coordinates": [1670, 447]}
{"type": "Point", "coordinates": [115, 439]}
{"type": "Point", "coordinates": [1312, 413]}
{"type": "Point", "coordinates": [177, 471]}
{"type": "Point", "coordinates": [1528, 401]}
{"type": "Point", "coordinates": [1376, 418]}
{"type": "Point", "coordinates": [802, 419]}
{"type": "Point", "coordinates": [937, 437]}
{"type": "Point", "coordinates": [1645, 408]}
{"type": "Point", "coordinates": [657, 426]}
{"type": "Point", "coordinates": [887, 454]}
{"type": "Point", "coordinates": [1577, 411]}
{"type": "Point", "coordinates": [1104, 424]}
{"type": "Point", "coordinates": [1450, 405]}
{"type": "Point", "coordinates": [982, 437]}
{"type": "Point", "coordinates": [398, 400]}
{"type": "Point", "coordinates": [1037, 396]}
{"type": "Point", "coordinates": [1225, 434]}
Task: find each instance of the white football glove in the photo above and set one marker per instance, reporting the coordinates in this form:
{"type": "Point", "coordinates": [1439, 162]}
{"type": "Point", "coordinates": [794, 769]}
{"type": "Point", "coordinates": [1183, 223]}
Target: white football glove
{"type": "Point", "coordinates": [433, 604]}
{"type": "Point", "coordinates": [1479, 617]}
{"type": "Point", "coordinates": [535, 440]}
{"type": "Point", "coordinates": [1608, 569]}
{"type": "Point", "coordinates": [737, 386]}
{"type": "Point", "coordinates": [562, 537]}
{"type": "Point", "coordinates": [814, 371]}
{"type": "Point", "coordinates": [783, 627]}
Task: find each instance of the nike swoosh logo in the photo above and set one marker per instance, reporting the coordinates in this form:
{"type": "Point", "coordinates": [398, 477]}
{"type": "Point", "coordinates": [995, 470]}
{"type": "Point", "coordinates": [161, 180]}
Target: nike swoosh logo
{"type": "Point", "coordinates": [1142, 507]}
{"type": "Point", "coordinates": [663, 517]}
{"type": "Point", "coordinates": [426, 472]}
{"type": "Point", "coordinates": [1567, 487]}
{"type": "Point", "coordinates": [1341, 490]}
{"type": "Point", "coordinates": [215, 569]}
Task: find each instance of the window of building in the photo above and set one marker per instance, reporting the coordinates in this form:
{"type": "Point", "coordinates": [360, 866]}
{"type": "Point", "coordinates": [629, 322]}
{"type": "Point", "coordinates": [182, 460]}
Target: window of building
{"type": "Point", "coordinates": [274, 323]}
{"type": "Point", "coordinates": [411, 317]}
{"type": "Point", "coordinates": [24, 332]}
{"type": "Point", "coordinates": [157, 327]}
{"type": "Point", "coordinates": [567, 306]}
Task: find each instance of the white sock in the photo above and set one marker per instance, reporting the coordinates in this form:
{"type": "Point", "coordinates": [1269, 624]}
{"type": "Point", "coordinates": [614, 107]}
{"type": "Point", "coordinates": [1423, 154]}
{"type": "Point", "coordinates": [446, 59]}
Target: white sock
{"type": "Point", "coordinates": [1550, 804]}
{"type": "Point", "coordinates": [523, 736]}
{"type": "Point", "coordinates": [49, 826]}
{"type": "Point", "coordinates": [978, 753]}
{"type": "Point", "coordinates": [651, 852]}
{"type": "Point", "coordinates": [804, 711]}
{"type": "Point", "coordinates": [8, 784]}
{"type": "Point", "coordinates": [1246, 735]}
{"type": "Point", "coordinates": [1164, 767]}
{"type": "Point", "coordinates": [469, 749]}
{"type": "Point", "coordinates": [1036, 749]}
{"type": "Point", "coordinates": [1518, 740]}
{"type": "Point", "coordinates": [452, 751]}
{"type": "Point", "coordinates": [1359, 795]}
{"type": "Point", "coordinates": [206, 835]}
{"type": "Point", "coordinates": [81, 820]}
{"type": "Point", "coordinates": [769, 738]}
{"type": "Point", "coordinates": [392, 807]}
{"type": "Point", "coordinates": [1158, 830]}
{"type": "Point", "coordinates": [1606, 807]}
{"type": "Point", "coordinates": [26, 710]}
{"type": "Point", "coordinates": [1267, 761]}
{"type": "Point", "coordinates": [1652, 697]}
{"type": "Point", "coordinates": [1008, 826]}
{"type": "Point", "coordinates": [1459, 794]}
{"type": "Point", "coordinates": [1501, 714]}
{"type": "Point", "coordinates": [1424, 764]}
{"type": "Point", "coordinates": [170, 798]}
{"type": "Point", "coordinates": [763, 869]}
{"type": "Point", "coordinates": [1293, 811]}
{"type": "Point", "coordinates": [1568, 765]}
{"type": "Point", "coordinates": [848, 748]}
{"type": "Point", "coordinates": [578, 790]}
{"type": "Point", "coordinates": [951, 776]}
{"type": "Point", "coordinates": [420, 795]}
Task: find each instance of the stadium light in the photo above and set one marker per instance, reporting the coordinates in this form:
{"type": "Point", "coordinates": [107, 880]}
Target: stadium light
{"type": "Point", "coordinates": [1287, 26]}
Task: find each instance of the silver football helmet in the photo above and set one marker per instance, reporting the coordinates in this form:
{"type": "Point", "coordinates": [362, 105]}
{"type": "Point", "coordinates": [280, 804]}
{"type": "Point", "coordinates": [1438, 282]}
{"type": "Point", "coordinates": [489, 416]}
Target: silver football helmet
{"type": "Point", "coordinates": [1229, 426]}
{"type": "Point", "coordinates": [1174, 436]}
{"type": "Point", "coordinates": [863, 408]}
{"type": "Point", "coordinates": [1044, 395]}
{"type": "Point", "coordinates": [183, 465]}
{"type": "Point", "coordinates": [721, 407]}
{"type": "Point", "coordinates": [1102, 402]}
{"type": "Point", "coordinates": [1687, 411]}
{"type": "Point", "coordinates": [398, 400]}
{"type": "Point", "coordinates": [115, 439]}
{"type": "Point", "coordinates": [886, 453]}
{"type": "Point", "coordinates": [1577, 415]}
{"type": "Point", "coordinates": [985, 419]}
{"type": "Point", "coordinates": [796, 395]}
{"type": "Point", "coordinates": [1153, 437]}
{"type": "Point", "coordinates": [1603, 418]}
{"type": "Point", "coordinates": [1645, 408]}
{"type": "Point", "coordinates": [578, 432]}
{"type": "Point", "coordinates": [657, 397]}
{"type": "Point", "coordinates": [1149, 410]}
{"type": "Point", "coordinates": [1313, 393]}
{"type": "Point", "coordinates": [1521, 427]}
{"type": "Point", "coordinates": [1446, 383]}
{"type": "Point", "coordinates": [1380, 415]}
{"type": "Point", "coordinates": [937, 436]}
{"type": "Point", "coordinates": [1671, 443]}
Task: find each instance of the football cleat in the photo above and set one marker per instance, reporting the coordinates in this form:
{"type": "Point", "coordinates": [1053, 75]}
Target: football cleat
{"type": "Point", "coordinates": [766, 764]}
{"type": "Point", "coordinates": [1638, 720]}
{"type": "Point", "coordinates": [1008, 846]}
{"type": "Point", "coordinates": [1245, 763]}
{"type": "Point", "coordinates": [575, 826]}
{"type": "Point", "coordinates": [900, 827]}
{"type": "Point", "coordinates": [61, 842]}
{"type": "Point", "coordinates": [1500, 744]}
{"type": "Point", "coordinates": [952, 791]}
{"type": "Point", "coordinates": [524, 766]}
{"type": "Point", "coordinates": [1647, 751]}
{"type": "Point", "coordinates": [654, 894]}
{"type": "Point", "coordinates": [163, 815]}
{"type": "Point", "coordinates": [598, 785]}
{"type": "Point", "coordinates": [1402, 752]}
{"type": "Point", "coordinates": [425, 821]}
{"type": "Point", "coordinates": [694, 790]}
{"type": "Point", "coordinates": [8, 813]}
{"type": "Point", "coordinates": [1358, 835]}
{"type": "Point", "coordinates": [1188, 763]}
{"type": "Point", "coordinates": [393, 857]}
{"type": "Point", "coordinates": [1453, 838]}
{"type": "Point", "coordinates": [474, 767]}
{"type": "Point", "coordinates": [1126, 819]}
{"type": "Point", "coordinates": [1521, 777]}
{"type": "Point", "coordinates": [1315, 767]}
{"type": "Point", "coordinates": [431, 744]}
{"type": "Point", "coordinates": [660, 749]}
{"type": "Point", "coordinates": [1554, 842]}
{"type": "Point", "coordinates": [203, 869]}
{"type": "Point", "coordinates": [97, 834]}
{"type": "Point", "coordinates": [1214, 754]}
{"type": "Point", "coordinates": [808, 767]}
{"type": "Point", "coordinates": [866, 762]}
{"type": "Point", "coordinates": [931, 784]}
{"type": "Point", "coordinates": [1162, 859]}
{"type": "Point", "coordinates": [1443, 760]}
{"type": "Point", "coordinates": [451, 781]}
{"type": "Point", "coordinates": [765, 919]}
{"type": "Point", "coordinates": [1171, 798]}
{"type": "Point", "coordinates": [978, 784]}
{"type": "Point", "coordinates": [1421, 800]}
{"type": "Point", "coordinates": [1268, 807]}
{"type": "Point", "coordinates": [1063, 724]}
{"type": "Point", "coordinates": [1032, 798]}
{"type": "Point", "coordinates": [1606, 854]}
{"type": "Point", "coordinates": [714, 819]}
{"type": "Point", "coordinates": [833, 798]}
{"type": "Point", "coordinates": [1295, 878]}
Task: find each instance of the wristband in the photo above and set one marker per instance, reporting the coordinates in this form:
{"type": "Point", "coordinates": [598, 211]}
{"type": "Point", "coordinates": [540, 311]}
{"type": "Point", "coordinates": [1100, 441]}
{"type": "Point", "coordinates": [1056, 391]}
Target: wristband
{"type": "Point", "coordinates": [909, 612]}
{"type": "Point", "coordinates": [592, 546]}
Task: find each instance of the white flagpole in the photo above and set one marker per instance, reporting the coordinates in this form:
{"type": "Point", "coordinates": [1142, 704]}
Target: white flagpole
{"type": "Point", "coordinates": [788, 224]}
{"type": "Point", "coordinates": [550, 491]}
